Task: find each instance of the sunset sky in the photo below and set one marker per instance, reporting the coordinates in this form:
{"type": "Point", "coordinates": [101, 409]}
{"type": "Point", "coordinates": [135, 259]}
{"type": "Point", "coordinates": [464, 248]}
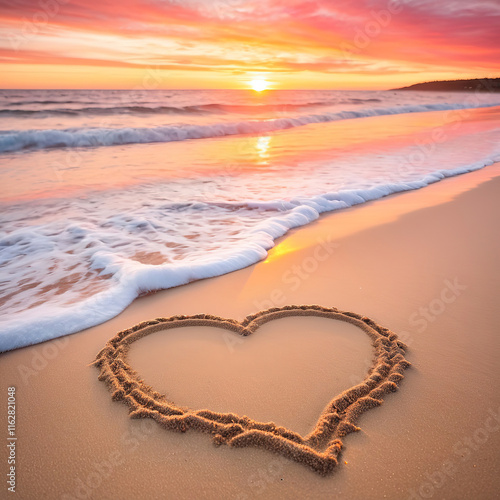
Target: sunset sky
{"type": "Point", "coordinates": [310, 44]}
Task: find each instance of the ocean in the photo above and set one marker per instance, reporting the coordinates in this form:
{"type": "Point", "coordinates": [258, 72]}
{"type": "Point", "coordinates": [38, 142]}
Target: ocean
{"type": "Point", "coordinates": [107, 195]}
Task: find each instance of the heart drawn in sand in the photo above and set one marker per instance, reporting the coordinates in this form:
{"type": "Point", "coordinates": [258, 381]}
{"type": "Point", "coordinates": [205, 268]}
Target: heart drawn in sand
{"type": "Point", "coordinates": [319, 449]}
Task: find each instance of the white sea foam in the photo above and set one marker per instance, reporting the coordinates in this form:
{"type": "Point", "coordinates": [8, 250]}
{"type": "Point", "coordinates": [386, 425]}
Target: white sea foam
{"type": "Point", "coordinates": [17, 140]}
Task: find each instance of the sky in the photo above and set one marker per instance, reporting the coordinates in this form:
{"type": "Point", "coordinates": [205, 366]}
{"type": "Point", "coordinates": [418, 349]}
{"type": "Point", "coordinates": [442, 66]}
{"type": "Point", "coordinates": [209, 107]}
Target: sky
{"type": "Point", "coordinates": [292, 44]}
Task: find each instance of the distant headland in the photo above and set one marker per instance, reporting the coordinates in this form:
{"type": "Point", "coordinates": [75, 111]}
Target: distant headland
{"type": "Point", "coordinates": [478, 84]}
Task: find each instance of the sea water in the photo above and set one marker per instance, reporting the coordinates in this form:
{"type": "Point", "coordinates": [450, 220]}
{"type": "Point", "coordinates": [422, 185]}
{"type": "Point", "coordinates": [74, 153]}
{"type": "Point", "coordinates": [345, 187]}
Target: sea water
{"type": "Point", "coordinates": [106, 195]}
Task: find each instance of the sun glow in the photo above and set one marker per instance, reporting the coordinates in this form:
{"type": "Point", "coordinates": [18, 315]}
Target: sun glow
{"type": "Point", "coordinates": [259, 85]}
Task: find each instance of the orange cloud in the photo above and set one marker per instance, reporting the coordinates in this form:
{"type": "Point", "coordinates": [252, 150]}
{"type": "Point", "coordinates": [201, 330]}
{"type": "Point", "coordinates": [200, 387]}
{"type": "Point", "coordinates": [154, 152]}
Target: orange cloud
{"type": "Point", "coordinates": [297, 41]}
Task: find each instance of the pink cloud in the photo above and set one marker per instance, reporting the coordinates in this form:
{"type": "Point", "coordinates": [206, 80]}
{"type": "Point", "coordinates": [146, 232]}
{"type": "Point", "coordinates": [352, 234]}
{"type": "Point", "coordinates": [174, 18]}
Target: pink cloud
{"type": "Point", "coordinates": [276, 35]}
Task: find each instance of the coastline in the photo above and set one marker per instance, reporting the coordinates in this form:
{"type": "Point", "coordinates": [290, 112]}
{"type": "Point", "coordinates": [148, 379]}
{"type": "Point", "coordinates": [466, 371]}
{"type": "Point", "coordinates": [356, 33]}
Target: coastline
{"type": "Point", "coordinates": [102, 299]}
{"type": "Point", "coordinates": [421, 263]}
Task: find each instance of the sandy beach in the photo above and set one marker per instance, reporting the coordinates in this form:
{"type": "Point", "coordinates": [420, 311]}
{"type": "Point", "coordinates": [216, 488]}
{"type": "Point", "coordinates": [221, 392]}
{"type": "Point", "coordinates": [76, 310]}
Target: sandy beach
{"type": "Point", "coordinates": [422, 264]}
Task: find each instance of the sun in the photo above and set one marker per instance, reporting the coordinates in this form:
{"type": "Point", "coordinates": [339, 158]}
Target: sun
{"type": "Point", "coordinates": [259, 85]}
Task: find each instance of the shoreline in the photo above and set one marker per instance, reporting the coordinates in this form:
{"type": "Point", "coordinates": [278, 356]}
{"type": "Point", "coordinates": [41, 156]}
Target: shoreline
{"type": "Point", "coordinates": [245, 258]}
{"type": "Point", "coordinates": [421, 263]}
{"type": "Point", "coordinates": [90, 296]}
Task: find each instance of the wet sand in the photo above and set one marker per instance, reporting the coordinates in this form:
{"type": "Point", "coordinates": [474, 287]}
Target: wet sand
{"type": "Point", "coordinates": [423, 264]}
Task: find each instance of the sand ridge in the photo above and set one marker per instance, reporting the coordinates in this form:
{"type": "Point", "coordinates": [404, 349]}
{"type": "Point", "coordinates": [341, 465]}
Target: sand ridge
{"type": "Point", "coordinates": [320, 449]}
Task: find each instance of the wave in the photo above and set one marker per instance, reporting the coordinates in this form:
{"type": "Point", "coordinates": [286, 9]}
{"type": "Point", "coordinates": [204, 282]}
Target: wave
{"type": "Point", "coordinates": [23, 103]}
{"type": "Point", "coordinates": [95, 110]}
{"type": "Point", "coordinates": [131, 278]}
{"type": "Point", "coordinates": [159, 110]}
{"type": "Point", "coordinates": [15, 140]}
{"type": "Point", "coordinates": [283, 107]}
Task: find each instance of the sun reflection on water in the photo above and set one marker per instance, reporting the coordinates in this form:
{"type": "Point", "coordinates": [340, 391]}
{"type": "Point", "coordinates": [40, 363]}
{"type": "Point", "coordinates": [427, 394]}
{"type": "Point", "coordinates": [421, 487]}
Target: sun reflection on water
{"type": "Point", "coordinates": [262, 147]}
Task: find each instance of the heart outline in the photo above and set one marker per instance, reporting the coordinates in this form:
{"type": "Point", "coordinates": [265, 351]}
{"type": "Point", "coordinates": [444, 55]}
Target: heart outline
{"type": "Point", "coordinates": [320, 449]}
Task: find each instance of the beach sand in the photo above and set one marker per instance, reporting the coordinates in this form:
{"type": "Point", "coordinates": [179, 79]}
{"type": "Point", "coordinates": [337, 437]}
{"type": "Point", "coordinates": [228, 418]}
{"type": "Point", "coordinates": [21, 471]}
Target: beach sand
{"type": "Point", "coordinates": [423, 264]}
